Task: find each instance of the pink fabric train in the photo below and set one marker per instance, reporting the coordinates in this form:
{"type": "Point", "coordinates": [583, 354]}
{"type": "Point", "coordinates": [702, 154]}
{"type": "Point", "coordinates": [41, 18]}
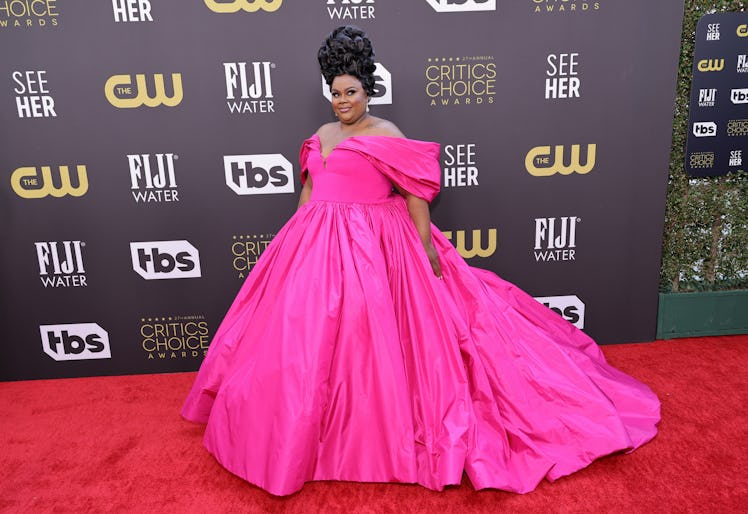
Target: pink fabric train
{"type": "Point", "coordinates": [344, 358]}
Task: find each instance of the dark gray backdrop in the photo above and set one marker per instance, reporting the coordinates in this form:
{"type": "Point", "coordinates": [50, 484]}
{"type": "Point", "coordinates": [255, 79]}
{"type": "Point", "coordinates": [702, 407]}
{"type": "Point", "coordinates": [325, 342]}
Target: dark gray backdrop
{"type": "Point", "coordinates": [625, 65]}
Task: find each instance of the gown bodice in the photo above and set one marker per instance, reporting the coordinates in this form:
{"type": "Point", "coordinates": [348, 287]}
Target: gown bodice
{"type": "Point", "coordinates": [347, 176]}
{"type": "Point", "coordinates": [363, 169]}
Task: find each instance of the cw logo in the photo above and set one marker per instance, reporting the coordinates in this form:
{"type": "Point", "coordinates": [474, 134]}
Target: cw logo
{"type": "Point", "coordinates": [476, 248]}
{"type": "Point", "coordinates": [462, 5]}
{"type": "Point", "coordinates": [26, 184]}
{"type": "Point", "coordinates": [118, 85]}
{"type": "Point", "coordinates": [742, 30]}
{"type": "Point", "coordinates": [538, 161]}
{"type": "Point", "coordinates": [243, 5]}
{"type": "Point", "coordinates": [711, 65]}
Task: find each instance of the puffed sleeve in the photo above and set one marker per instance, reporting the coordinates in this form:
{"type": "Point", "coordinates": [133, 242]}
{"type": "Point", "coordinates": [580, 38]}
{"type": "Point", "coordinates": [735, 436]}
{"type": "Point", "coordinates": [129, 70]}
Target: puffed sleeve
{"type": "Point", "coordinates": [411, 164]}
{"type": "Point", "coordinates": [308, 146]}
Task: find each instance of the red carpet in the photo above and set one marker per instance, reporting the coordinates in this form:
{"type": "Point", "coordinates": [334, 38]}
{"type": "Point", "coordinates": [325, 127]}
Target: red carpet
{"type": "Point", "coordinates": [117, 444]}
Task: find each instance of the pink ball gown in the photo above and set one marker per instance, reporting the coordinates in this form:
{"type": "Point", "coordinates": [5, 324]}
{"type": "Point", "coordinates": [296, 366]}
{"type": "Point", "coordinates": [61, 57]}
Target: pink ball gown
{"type": "Point", "coordinates": [344, 358]}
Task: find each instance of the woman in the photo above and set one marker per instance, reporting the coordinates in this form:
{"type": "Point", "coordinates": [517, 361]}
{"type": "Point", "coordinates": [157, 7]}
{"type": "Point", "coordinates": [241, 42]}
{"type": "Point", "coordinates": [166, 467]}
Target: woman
{"type": "Point", "coordinates": [362, 347]}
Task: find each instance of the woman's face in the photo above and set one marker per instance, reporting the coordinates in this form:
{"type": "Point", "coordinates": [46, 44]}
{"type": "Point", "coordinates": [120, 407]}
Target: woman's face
{"type": "Point", "coordinates": [349, 100]}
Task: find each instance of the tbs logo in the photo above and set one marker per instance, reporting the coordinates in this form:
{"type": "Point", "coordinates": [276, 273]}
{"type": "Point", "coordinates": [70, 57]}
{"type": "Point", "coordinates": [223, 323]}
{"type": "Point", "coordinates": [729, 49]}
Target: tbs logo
{"type": "Point", "coordinates": [571, 308]}
{"type": "Point", "coordinates": [704, 129]}
{"type": "Point", "coordinates": [258, 174]}
{"type": "Point", "coordinates": [156, 260]}
{"type": "Point", "coordinates": [739, 96]}
{"type": "Point", "coordinates": [75, 342]}
{"type": "Point", "coordinates": [382, 87]}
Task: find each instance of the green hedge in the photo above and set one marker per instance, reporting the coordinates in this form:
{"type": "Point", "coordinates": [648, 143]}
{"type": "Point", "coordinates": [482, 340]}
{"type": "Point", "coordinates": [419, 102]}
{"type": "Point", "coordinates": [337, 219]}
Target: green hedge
{"type": "Point", "coordinates": [705, 244]}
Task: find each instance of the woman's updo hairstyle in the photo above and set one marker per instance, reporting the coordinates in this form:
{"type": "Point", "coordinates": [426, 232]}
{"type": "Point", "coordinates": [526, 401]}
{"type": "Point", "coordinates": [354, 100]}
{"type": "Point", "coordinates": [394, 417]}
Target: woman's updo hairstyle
{"type": "Point", "coordinates": [347, 51]}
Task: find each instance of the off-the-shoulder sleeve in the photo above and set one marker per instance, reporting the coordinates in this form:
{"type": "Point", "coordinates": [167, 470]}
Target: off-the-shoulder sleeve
{"type": "Point", "coordinates": [309, 146]}
{"type": "Point", "coordinates": [411, 164]}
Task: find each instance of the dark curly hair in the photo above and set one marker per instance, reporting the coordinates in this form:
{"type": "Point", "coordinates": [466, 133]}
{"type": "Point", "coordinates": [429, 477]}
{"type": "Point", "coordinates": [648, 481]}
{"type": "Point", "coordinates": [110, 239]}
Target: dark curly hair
{"type": "Point", "coordinates": [347, 51]}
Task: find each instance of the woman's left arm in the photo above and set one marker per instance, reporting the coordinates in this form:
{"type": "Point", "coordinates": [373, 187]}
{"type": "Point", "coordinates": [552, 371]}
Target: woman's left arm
{"type": "Point", "coordinates": [418, 208]}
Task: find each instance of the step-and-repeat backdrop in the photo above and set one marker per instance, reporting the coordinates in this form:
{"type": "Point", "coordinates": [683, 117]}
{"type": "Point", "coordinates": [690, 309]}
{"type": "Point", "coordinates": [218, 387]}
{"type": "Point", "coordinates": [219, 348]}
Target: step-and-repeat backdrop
{"type": "Point", "coordinates": [149, 150]}
{"type": "Point", "coordinates": [718, 111]}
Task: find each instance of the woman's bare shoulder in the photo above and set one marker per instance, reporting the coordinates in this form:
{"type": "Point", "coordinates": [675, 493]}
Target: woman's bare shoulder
{"type": "Point", "coordinates": [382, 127]}
{"type": "Point", "coordinates": [326, 128]}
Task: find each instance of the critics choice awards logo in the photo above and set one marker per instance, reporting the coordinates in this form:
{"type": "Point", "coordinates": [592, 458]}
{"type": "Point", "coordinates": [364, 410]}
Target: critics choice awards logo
{"type": "Point", "coordinates": [32, 95]}
{"type": "Point", "coordinates": [563, 6]}
{"type": "Point", "coordinates": [460, 80]}
{"type": "Point", "coordinates": [742, 30]}
{"type": "Point", "coordinates": [562, 76]}
{"type": "Point", "coordinates": [243, 5]}
{"type": "Point", "coordinates": [246, 250]}
{"type": "Point", "coordinates": [249, 88]}
{"type": "Point", "coordinates": [477, 246]}
{"type": "Point", "coordinates": [258, 174]}
{"type": "Point", "coordinates": [174, 337]}
{"type": "Point", "coordinates": [76, 341]}
{"type": "Point", "coordinates": [462, 5]}
{"type": "Point", "coordinates": [569, 307]}
{"type": "Point", "coordinates": [28, 13]}
{"type": "Point", "coordinates": [157, 260]}
{"type": "Point", "coordinates": [27, 182]}
{"type": "Point", "coordinates": [131, 10]}
{"type": "Point", "coordinates": [382, 86]}
{"type": "Point", "coordinates": [458, 165]}
{"type": "Point", "coordinates": [701, 160]}
{"type": "Point", "coordinates": [737, 127]}
{"type": "Point", "coordinates": [544, 161]}
{"type": "Point", "coordinates": [556, 239]}
{"type": "Point", "coordinates": [350, 9]}
{"type": "Point", "coordinates": [152, 177]}
{"type": "Point", "coordinates": [61, 263]}
{"type": "Point", "coordinates": [148, 90]}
